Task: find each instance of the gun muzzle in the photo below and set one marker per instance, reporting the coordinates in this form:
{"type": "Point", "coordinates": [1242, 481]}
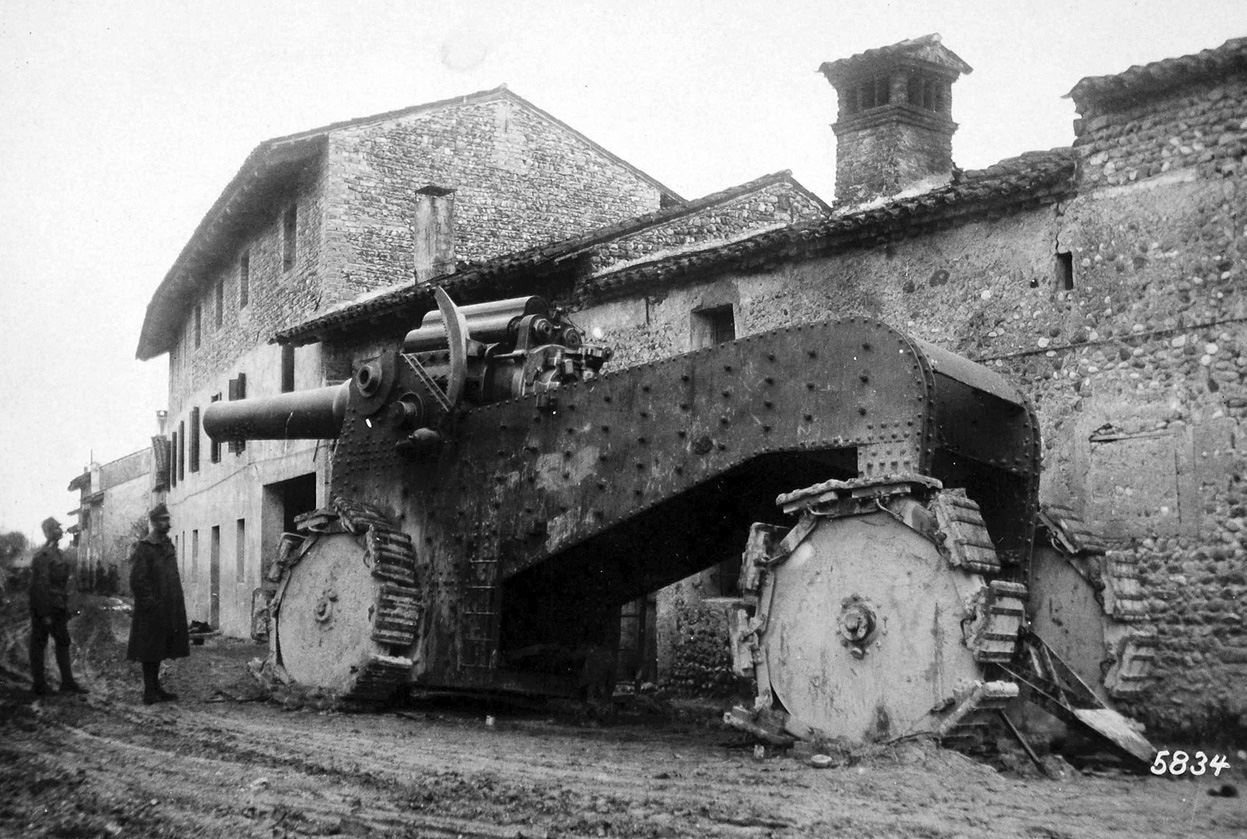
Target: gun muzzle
{"type": "Point", "coordinates": [301, 415]}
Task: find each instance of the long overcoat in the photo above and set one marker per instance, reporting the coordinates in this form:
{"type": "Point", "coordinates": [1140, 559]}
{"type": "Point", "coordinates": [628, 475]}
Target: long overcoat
{"type": "Point", "coordinates": [159, 628]}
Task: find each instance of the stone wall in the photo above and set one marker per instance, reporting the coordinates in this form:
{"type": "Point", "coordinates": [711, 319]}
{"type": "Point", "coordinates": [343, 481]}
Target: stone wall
{"type": "Point", "coordinates": [1198, 128]}
{"type": "Point", "coordinates": [520, 180]}
{"type": "Point", "coordinates": [881, 154]}
{"type": "Point", "coordinates": [276, 297]}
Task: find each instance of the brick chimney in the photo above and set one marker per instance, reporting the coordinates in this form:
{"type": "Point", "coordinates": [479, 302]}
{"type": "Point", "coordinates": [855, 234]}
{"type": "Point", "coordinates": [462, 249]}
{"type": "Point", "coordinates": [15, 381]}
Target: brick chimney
{"type": "Point", "coordinates": [894, 128]}
{"type": "Point", "coordinates": [434, 233]}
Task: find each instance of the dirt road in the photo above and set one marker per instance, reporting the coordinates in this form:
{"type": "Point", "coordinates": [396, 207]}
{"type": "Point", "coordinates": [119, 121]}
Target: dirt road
{"type": "Point", "coordinates": [222, 762]}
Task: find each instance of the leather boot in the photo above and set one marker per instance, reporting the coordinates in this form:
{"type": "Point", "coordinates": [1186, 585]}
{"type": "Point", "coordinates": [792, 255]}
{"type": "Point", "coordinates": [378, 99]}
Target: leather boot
{"type": "Point", "coordinates": [151, 683]}
{"type": "Point", "coordinates": [68, 684]}
{"type": "Point", "coordinates": [38, 683]}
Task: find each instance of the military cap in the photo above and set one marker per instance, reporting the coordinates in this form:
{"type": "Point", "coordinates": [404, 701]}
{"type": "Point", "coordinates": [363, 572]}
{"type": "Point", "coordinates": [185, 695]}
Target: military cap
{"type": "Point", "coordinates": [160, 511]}
{"type": "Point", "coordinates": [48, 524]}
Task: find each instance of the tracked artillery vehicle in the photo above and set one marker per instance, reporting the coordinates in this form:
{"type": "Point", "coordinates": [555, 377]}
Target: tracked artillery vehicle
{"type": "Point", "coordinates": [496, 497]}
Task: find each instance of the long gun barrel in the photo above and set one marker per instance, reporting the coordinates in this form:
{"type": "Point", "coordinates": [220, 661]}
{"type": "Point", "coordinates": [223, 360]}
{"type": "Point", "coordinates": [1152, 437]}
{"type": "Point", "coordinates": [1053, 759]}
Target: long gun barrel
{"type": "Point", "coordinates": [301, 415]}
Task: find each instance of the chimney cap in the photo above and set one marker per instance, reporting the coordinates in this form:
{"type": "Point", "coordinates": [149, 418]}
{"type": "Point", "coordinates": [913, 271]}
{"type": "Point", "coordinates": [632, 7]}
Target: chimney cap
{"type": "Point", "coordinates": [927, 50]}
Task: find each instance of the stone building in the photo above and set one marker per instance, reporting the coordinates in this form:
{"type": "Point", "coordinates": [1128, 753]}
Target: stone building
{"type": "Point", "coordinates": [1106, 277]}
{"type": "Point", "coordinates": [114, 499]}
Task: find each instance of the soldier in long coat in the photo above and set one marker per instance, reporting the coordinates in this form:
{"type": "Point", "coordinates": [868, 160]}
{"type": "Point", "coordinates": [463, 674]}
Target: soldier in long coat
{"type": "Point", "coordinates": [159, 629]}
{"type": "Point", "coordinates": [49, 610]}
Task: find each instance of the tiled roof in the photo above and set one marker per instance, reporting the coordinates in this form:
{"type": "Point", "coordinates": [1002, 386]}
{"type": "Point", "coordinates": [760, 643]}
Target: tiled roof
{"type": "Point", "coordinates": [1144, 80]}
{"type": "Point", "coordinates": [1031, 179]}
{"type": "Point", "coordinates": [471, 280]}
{"type": "Point", "coordinates": [927, 48]}
{"type": "Point", "coordinates": [272, 163]}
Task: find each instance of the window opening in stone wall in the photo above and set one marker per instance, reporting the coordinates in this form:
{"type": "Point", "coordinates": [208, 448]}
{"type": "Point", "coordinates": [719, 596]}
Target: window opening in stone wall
{"type": "Point", "coordinates": [713, 326]}
{"type": "Point", "coordinates": [238, 390]}
{"type": "Point", "coordinates": [244, 279]}
{"type": "Point", "coordinates": [240, 551]}
{"type": "Point", "coordinates": [214, 448]}
{"type": "Point", "coordinates": [194, 554]}
{"type": "Point", "coordinates": [287, 368]}
{"type": "Point", "coordinates": [214, 576]}
{"type": "Point", "coordinates": [173, 460]}
{"type": "Point", "coordinates": [220, 303]}
{"type": "Point", "coordinates": [874, 93]}
{"type": "Point", "coordinates": [199, 316]}
{"type": "Point", "coordinates": [290, 227]}
{"type": "Point", "coordinates": [1065, 270]}
{"type": "Point", "coordinates": [925, 92]}
{"type": "Point", "coordinates": [182, 451]}
{"type": "Point", "coordinates": [194, 441]}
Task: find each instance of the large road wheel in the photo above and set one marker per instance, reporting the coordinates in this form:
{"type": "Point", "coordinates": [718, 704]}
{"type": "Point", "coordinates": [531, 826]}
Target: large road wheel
{"type": "Point", "coordinates": [864, 638]}
{"type": "Point", "coordinates": [345, 613]}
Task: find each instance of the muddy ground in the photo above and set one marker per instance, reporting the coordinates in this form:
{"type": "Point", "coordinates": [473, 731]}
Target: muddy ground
{"type": "Point", "coordinates": [227, 760]}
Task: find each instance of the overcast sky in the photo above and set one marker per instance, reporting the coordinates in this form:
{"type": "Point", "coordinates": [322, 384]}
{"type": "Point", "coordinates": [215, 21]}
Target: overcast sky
{"type": "Point", "coordinates": [120, 124]}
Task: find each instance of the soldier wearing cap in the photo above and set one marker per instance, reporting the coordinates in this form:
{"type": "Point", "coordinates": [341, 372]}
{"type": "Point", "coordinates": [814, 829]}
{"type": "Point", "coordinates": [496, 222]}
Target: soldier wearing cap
{"type": "Point", "coordinates": [50, 572]}
{"type": "Point", "coordinates": [159, 630]}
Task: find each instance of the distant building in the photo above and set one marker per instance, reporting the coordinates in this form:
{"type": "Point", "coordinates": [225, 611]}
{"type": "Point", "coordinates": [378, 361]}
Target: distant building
{"type": "Point", "coordinates": [114, 499]}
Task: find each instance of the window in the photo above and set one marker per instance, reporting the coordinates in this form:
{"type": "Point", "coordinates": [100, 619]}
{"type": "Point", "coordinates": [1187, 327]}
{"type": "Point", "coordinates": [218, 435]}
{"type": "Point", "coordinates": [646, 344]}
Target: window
{"type": "Point", "coordinates": [867, 94]}
{"type": "Point", "coordinates": [238, 390]}
{"type": "Point", "coordinates": [194, 441]}
{"type": "Point", "coordinates": [1064, 270]}
{"type": "Point", "coordinates": [926, 93]}
{"type": "Point", "coordinates": [240, 551]}
{"type": "Point", "coordinates": [214, 448]}
{"type": "Point", "coordinates": [290, 229]}
{"type": "Point", "coordinates": [287, 368]}
{"type": "Point", "coordinates": [173, 460]}
{"type": "Point", "coordinates": [244, 279]}
{"type": "Point", "coordinates": [198, 326]}
{"type": "Point", "coordinates": [713, 326]}
{"type": "Point", "coordinates": [182, 451]}
{"type": "Point", "coordinates": [220, 302]}
{"type": "Point", "coordinates": [194, 553]}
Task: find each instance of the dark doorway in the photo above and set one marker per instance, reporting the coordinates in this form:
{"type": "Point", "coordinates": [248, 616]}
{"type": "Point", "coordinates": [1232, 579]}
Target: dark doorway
{"type": "Point", "coordinates": [283, 502]}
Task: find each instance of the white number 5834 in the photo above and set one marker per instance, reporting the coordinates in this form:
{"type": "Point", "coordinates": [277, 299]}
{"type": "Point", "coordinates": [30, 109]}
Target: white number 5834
{"type": "Point", "coordinates": [1181, 763]}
